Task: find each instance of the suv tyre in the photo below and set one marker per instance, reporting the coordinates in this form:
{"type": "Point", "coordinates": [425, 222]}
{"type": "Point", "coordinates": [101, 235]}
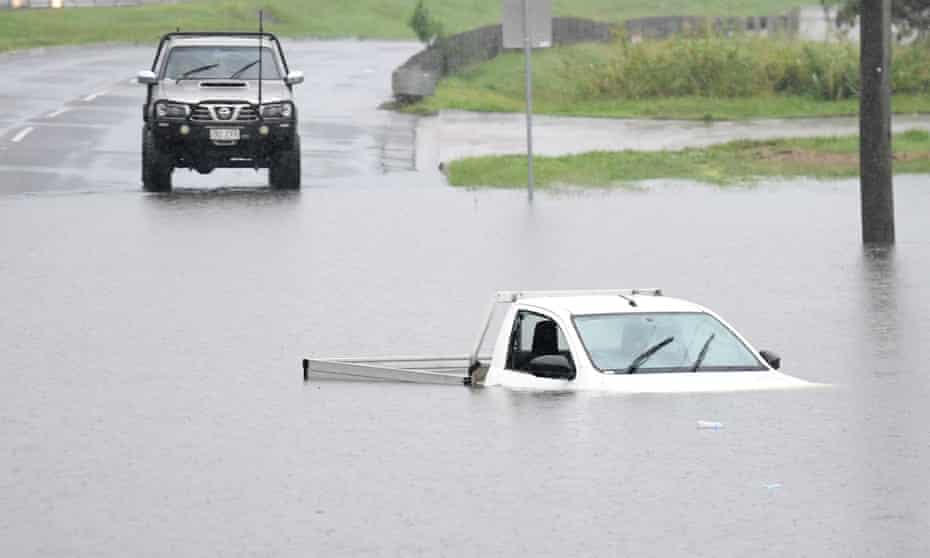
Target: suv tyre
{"type": "Point", "coordinates": [284, 172]}
{"type": "Point", "coordinates": [156, 165]}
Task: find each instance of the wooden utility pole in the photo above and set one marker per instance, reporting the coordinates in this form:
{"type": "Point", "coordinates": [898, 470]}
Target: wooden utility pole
{"type": "Point", "coordinates": [876, 191]}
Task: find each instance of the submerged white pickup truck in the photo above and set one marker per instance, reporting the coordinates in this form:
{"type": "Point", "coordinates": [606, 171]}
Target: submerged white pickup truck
{"type": "Point", "coordinates": [626, 340]}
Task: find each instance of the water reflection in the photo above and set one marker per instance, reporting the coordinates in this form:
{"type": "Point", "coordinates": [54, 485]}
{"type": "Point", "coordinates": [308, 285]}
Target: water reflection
{"type": "Point", "coordinates": [880, 339]}
{"type": "Point", "coordinates": [253, 193]}
{"type": "Point", "coordinates": [891, 460]}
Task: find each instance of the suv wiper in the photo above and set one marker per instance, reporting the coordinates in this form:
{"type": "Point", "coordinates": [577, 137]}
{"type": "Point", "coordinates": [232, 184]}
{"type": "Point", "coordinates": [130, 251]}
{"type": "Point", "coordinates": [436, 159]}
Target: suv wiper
{"type": "Point", "coordinates": [193, 71]}
{"type": "Point", "coordinates": [647, 354]}
{"type": "Point", "coordinates": [243, 69]}
{"type": "Point", "coordinates": [703, 353]}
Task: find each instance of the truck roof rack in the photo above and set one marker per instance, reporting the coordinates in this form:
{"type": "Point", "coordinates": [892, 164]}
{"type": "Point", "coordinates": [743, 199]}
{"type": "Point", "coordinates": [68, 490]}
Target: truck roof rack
{"type": "Point", "coordinates": [507, 297]}
{"type": "Point", "coordinates": [247, 34]}
{"type": "Point", "coordinates": [513, 296]}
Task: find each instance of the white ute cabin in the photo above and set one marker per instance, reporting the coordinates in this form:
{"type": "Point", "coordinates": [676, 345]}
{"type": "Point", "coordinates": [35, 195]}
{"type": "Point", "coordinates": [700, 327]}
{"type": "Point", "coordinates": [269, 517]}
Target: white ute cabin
{"type": "Point", "coordinates": [626, 341]}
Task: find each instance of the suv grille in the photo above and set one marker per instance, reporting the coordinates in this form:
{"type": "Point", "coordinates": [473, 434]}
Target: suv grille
{"type": "Point", "coordinates": [247, 114]}
{"type": "Point", "coordinates": [201, 114]}
{"type": "Point", "coordinates": [221, 112]}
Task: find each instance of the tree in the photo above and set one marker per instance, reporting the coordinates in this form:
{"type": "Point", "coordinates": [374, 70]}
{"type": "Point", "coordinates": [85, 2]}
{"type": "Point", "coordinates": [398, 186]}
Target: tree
{"type": "Point", "coordinates": [910, 17]}
{"type": "Point", "coordinates": [426, 27]}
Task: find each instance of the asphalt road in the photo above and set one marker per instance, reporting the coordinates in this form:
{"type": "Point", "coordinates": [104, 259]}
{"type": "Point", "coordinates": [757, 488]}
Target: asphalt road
{"type": "Point", "coordinates": [71, 118]}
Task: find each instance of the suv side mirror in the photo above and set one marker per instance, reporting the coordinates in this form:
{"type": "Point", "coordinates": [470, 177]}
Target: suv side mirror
{"type": "Point", "coordinates": [556, 367]}
{"type": "Point", "coordinates": [771, 358]}
{"type": "Point", "coordinates": [146, 77]}
{"type": "Point", "coordinates": [294, 78]}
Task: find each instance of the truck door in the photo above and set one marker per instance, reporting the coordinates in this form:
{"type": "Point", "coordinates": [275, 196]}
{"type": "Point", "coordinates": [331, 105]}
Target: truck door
{"type": "Point", "coordinates": [538, 347]}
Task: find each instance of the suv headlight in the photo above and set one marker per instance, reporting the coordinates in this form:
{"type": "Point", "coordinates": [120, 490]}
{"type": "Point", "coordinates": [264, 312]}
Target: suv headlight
{"type": "Point", "coordinates": [171, 110]}
{"type": "Point", "coordinates": [278, 110]}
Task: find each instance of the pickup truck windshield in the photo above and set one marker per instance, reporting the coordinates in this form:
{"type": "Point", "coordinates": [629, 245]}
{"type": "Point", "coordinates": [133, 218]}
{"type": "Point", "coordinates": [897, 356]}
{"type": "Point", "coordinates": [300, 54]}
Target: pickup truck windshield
{"type": "Point", "coordinates": [220, 62]}
{"type": "Point", "coordinates": [627, 343]}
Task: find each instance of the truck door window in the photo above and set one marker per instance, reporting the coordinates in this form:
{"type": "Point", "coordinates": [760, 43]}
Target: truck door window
{"type": "Point", "coordinates": [534, 335]}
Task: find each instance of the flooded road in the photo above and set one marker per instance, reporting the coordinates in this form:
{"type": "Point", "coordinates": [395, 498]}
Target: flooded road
{"type": "Point", "coordinates": [152, 401]}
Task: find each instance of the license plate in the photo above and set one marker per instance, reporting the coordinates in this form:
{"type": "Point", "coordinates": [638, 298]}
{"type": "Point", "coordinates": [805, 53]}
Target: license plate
{"type": "Point", "coordinates": [224, 134]}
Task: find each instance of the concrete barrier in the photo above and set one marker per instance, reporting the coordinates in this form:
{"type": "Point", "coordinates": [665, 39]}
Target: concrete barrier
{"type": "Point", "coordinates": [664, 27]}
{"type": "Point", "coordinates": [418, 76]}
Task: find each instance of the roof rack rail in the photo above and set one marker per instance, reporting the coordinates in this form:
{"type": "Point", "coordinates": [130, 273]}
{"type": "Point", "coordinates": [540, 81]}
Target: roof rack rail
{"type": "Point", "coordinates": [218, 34]}
{"type": "Point", "coordinates": [513, 296]}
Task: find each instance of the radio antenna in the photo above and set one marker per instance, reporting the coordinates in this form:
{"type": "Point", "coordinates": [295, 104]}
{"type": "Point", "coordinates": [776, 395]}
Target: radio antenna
{"type": "Point", "coordinates": [261, 36]}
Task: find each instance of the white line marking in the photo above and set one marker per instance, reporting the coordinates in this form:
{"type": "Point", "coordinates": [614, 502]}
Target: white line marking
{"type": "Point", "coordinates": [20, 136]}
{"type": "Point", "coordinates": [93, 96]}
{"type": "Point", "coordinates": [58, 112]}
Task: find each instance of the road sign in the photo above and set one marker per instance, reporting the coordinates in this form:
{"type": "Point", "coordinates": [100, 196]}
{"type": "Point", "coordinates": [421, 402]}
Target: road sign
{"type": "Point", "coordinates": [539, 28]}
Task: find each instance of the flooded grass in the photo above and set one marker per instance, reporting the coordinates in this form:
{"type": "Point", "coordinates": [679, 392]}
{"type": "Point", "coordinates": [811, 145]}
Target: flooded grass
{"type": "Point", "coordinates": [726, 164]}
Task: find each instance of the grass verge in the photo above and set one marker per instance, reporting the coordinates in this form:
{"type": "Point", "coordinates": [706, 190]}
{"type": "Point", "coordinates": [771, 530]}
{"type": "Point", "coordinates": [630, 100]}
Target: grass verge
{"type": "Point", "coordinates": [726, 164]}
{"type": "Point", "coordinates": [386, 19]}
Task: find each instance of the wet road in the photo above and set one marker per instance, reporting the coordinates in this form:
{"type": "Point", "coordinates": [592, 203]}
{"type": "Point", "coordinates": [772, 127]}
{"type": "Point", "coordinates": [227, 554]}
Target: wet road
{"type": "Point", "coordinates": [151, 395]}
{"type": "Point", "coordinates": [71, 119]}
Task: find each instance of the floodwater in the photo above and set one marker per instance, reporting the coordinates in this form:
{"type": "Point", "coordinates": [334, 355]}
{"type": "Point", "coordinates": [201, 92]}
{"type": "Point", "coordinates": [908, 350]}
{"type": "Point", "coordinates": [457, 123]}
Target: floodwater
{"type": "Point", "coordinates": [153, 404]}
{"type": "Point", "coordinates": [152, 400]}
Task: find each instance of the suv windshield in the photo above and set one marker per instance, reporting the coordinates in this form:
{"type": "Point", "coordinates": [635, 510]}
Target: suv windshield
{"type": "Point", "coordinates": [662, 342]}
{"type": "Point", "coordinates": [218, 62]}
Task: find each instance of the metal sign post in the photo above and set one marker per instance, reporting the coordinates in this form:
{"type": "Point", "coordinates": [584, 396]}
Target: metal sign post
{"type": "Point", "coordinates": [528, 68]}
{"type": "Point", "coordinates": [528, 29]}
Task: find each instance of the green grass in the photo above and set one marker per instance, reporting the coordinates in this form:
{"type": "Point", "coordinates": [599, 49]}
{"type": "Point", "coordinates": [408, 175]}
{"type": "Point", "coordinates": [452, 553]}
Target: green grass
{"type": "Point", "coordinates": [385, 19]}
{"type": "Point", "coordinates": [687, 78]}
{"type": "Point", "coordinates": [731, 163]}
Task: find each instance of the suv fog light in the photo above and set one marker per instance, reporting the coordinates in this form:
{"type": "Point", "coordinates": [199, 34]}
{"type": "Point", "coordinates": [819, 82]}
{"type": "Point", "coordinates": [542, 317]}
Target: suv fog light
{"type": "Point", "coordinates": [185, 129]}
{"type": "Point", "coordinates": [263, 130]}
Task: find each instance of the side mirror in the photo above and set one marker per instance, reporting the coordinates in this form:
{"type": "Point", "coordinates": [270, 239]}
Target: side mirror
{"type": "Point", "coordinates": [294, 78]}
{"type": "Point", "coordinates": [556, 367]}
{"type": "Point", "coordinates": [771, 358]}
{"type": "Point", "coordinates": [146, 77]}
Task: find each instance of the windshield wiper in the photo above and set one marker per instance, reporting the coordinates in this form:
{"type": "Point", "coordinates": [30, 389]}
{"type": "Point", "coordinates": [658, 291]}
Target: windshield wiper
{"type": "Point", "coordinates": [703, 353]}
{"type": "Point", "coordinates": [193, 71]}
{"type": "Point", "coordinates": [243, 69]}
{"type": "Point", "coordinates": [647, 354]}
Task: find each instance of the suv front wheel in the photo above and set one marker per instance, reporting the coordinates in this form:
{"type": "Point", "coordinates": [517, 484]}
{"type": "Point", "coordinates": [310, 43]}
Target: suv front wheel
{"type": "Point", "coordinates": [156, 165]}
{"type": "Point", "coordinates": [284, 172]}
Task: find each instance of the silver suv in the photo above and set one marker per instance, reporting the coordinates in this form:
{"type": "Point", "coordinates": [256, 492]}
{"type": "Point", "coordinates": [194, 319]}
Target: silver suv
{"type": "Point", "coordinates": [213, 101]}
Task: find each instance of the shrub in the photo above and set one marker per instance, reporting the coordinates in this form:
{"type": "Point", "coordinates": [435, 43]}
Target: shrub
{"type": "Point", "coordinates": [426, 27]}
{"type": "Point", "coordinates": [715, 66]}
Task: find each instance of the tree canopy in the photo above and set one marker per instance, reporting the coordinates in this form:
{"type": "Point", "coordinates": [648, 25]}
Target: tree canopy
{"type": "Point", "coordinates": [911, 17]}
